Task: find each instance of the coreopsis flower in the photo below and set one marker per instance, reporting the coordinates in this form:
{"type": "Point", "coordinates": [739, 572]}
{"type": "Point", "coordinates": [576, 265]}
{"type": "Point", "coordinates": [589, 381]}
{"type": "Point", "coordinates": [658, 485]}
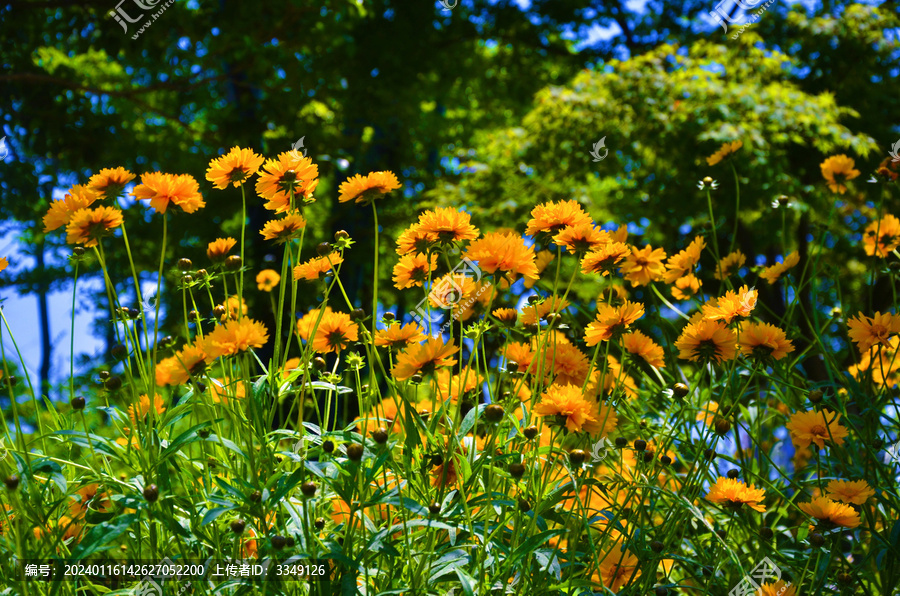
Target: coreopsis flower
{"type": "Point", "coordinates": [566, 406]}
{"type": "Point", "coordinates": [4, 263]}
{"type": "Point", "coordinates": [708, 413]}
{"type": "Point", "coordinates": [603, 260]}
{"type": "Point", "coordinates": [316, 268]}
{"type": "Point", "coordinates": [415, 240]}
{"type": "Point", "coordinates": [424, 358]}
{"type": "Point", "coordinates": [552, 217]}
{"type": "Point", "coordinates": [533, 314]}
{"type": "Point", "coordinates": [618, 568]}
{"type": "Point", "coordinates": [219, 248]}
{"type": "Point", "coordinates": [640, 345]}
{"type": "Point", "coordinates": [110, 182]}
{"type": "Point", "coordinates": [612, 321]}
{"type": "Point", "coordinates": [364, 189]}
{"type": "Point", "coordinates": [644, 265]}
{"type": "Point", "coordinates": [503, 253]}
{"type": "Point", "coordinates": [87, 226]}
{"type": "Point", "coordinates": [507, 316]}
{"type": "Point", "coordinates": [457, 292]}
{"type": "Point", "coordinates": [731, 305]}
{"type": "Point", "coordinates": [686, 287]}
{"type": "Point", "coordinates": [336, 331]}
{"type": "Point", "coordinates": [223, 390]}
{"type": "Point", "coordinates": [831, 512]}
{"type": "Point", "coordinates": [773, 273]}
{"type": "Point", "coordinates": [143, 407]}
{"type": "Point", "coordinates": [735, 494]}
{"type": "Point", "coordinates": [682, 263]}
{"type": "Point", "coordinates": [856, 492]}
{"type": "Point", "coordinates": [520, 353]}
{"type": "Point", "coordinates": [706, 340]}
{"type": "Point", "coordinates": [397, 336]}
{"type": "Point", "coordinates": [89, 497]}
{"type": "Point", "coordinates": [234, 337]}
{"type": "Point", "coordinates": [541, 260]}
{"type": "Point", "coordinates": [836, 170]}
{"type": "Point", "coordinates": [235, 167]}
{"type": "Point", "coordinates": [724, 151]}
{"type": "Point", "coordinates": [267, 280]}
{"type": "Point", "coordinates": [182, 366]}
{"type": "Point", "coordinates": [446, 225]}
{"type": "Point", "coordinates": [60, 213]}
{"type": "Point", "coordinates": [730, 264]}
{"type": "Point", "coordinates": [581, 238]}
{"type": "Point", "coordinates": [779, 588]}
{"type": "Point", "coordinates": [866, 332]}
{"type": "Point", "coordinates": [887, 230]}
{"type": "Point", "coordinates": [606, 380]}
{"type": "Point", "coordinates": [561, 361]}
{"type": "Point", "coordinates": [453, 387]}
{"type": "Point", "coordinates": [306, 323]}
{"type": "Point", "coordinates": [287, 181]}
{"type": "Point", "coordinates": [881, 362]}
{"type": "Point", "coordinates": [816, 427]}
{"type": "Point", "coordinates": [233, 306]}
{"type": "Point", "coordinates": [285, 229]}
{"type": "Point", "coordinates": [65, 529]}
{"type": "Point", "coordinates": [162, 189]}
{"type": "Point", "coordinates": [413, 270]}
{"type": "Point", "coordinates": [764, 340]}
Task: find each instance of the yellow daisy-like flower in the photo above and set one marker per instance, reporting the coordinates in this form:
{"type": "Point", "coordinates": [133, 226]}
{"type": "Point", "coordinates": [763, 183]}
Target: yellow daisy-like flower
{"type": "Point", "coordinates": [816, 427]}
{"type": "Point", "coordinates": [774, 273]}
{"type": "Point", "coordinates": [735, 494]}
{"type": "Point", "coordinates": [618, 568]}
{"type": "Point", "coordinates": [316, 268]}
{"type": "Point", "coordinates": [706, 340]}
{"type": "Point", "coordinates": [552, 217]}
{"type": "Point", "coordinates": [306, 323]}
{"type": "Point", "coordinates": [364, 189]}
{"type": "Point", "coordinates": [638, 344]}
{"type": "Point", "coordinates": [396, 336]}
{"type": "Point", "coordinates": [567, 406]}
{"type": "Point", "coordinates": [335, 333]}
{"type": "Point", "coordinates": [284, 229]}
{"type": "Point", "coordinates": [446, 225]}
{"type": "Point", "coordinates": [763, 340]}
{"type": "Point", "coordinates": [267, 280]}
{"type": "Point", "coordinates": [415, 240]}
{"type": "Point", "coordinates": [708, 413]}
{"type": "Point", "coordinates": [180, 368]}
{"type": "Point", "coordinates": [87, 226]}
{"type": "Point", "coordinates": [542, 259]}
{"type": "Point", "coordinates": [731, 305]}
{"type": "Point", "coordinates": [452, 387]}
{"type": "Point", "coordinates": [644, 265]}
{"type": "Point", "coordinates": [831, 512]}
{"type": "Point", "coordinates": [110, 182]}
{"type": "Point", "coordinates": [581, 238]}
{"type": "Point", "coordinates": [424, 358]}
{"type": "Point", "coordinates": [144, 406]}
{"type": "Point", "coordinates": [611, 321]}
{"type": "Point", "coordinates": [779, 588]}
{"type": "Point", "coordinates": [724, 151]}
{"type": "Point", "coordinates": [850, 491]}
{"type": "Point", "coordinates": [234, 337]}
{"type": "Point", "coordinates": [866, 332]}
{"type": "Point", "coordinates": [836, 170]}
{"type": "Point", "coordinates": [4, 263]}
{"type": "Point", "coordinates": [219, 248]}
{"type": "Point", "coordinates": [413, 269]}
{"type": "Point", "coordinates": [507, 316]}
{"type": "Point", "coordinates": [533, 314]}
{"type": "Point", "coordinates": [729, 265]}
{"type": "Point", "coordinates": [686, 287]}
{"type": "Point", "coordinates": [503, 253]}
{"type": "Point", "coordinates": [60, 213]}
{"type": "Point", "coordinates": [682, 263]}
{"type": "Point", "coordinates": [604, 259]}
{"type": "Point", "coordinates": [887, 231]}
{"type": "Point", "coordinates": [287, 182]}
{"type": "Point", "coordinates": [235, 167]}
{"type": "Point", "coordinates": [162, 189]}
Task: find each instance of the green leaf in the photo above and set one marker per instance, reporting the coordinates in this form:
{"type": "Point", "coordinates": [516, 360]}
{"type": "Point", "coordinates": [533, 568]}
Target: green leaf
{"type": "Point", "coordinates": [213, 514]}
{"type": "Point", "coordinates": [100, 537]}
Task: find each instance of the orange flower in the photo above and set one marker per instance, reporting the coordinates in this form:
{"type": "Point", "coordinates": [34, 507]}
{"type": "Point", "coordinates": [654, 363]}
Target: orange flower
{"type": "Point", "coordinates": [611, 321]}
{"type": "Point", "coordinates": [396, 336]}
{"type": "Point", "coordinates": [581, 238]}
{"type": "Point", "coordinates": [4, 263]}
{"type": "Point", "coordinates": [735, 494]}
{"type": "Point", "coordinates": [85, 497]}
{"type": "Point", "coordinates": [566, 405]}
{"type": "Point", "coordinates": [316, 268]}
{"type": "Point", "coordinates": [507, 316]}
{"type": "Point", "coordinates": [731, 305]}
{"type": "Point", "coordinates": [308, 321]}
{"type": "Point", "coordinates": [231, 306]}
{"type": "Point", "coordinates": [684, 262]}
{"type": "Point", "coordinates": [706, 340]}
{"type": "Point", "coordinates": [724, 151]}
{"type": "Point", "coordinates": [179, 369]}
{"type": "Point", "coordinates": [284, 229]}
{"type": "Point", "coordinates": [222, 390]}
{"type": "Point", "coordinates": [618, 568]}
{"type": "Point", "coordinates": [887, 229]}
{"type": "Point", "coordinates": [143, 407]}
{"type": "Point", "coordinates": [762, 340]}
{"type": "Point", "coordinates": [849, 491]}
{"type": "Point", "coordinates": [552, 217]}
{"type": "Point", "coordinates": [413, 269]}
{"type": "Point", "coordinates": [533, 314]}
{"type": "Point", "coordinates": [708, 413]}
{"type": "Point", "coordinates": [287, 180]}
{"type": "Point", "coordinates": [87, 226]}
{"type": "Point", "coordinates": [447, 225]}
{"type": "Point", "coordinates": [831, 512]}
{"type": "Point", "coordinates": [561, 361]}
{"type": "Point", "coordinates": [66, 527]}
{"type": "Point", "coordinates": [234, 337]}
{"type": "Point", "coordinates": [424, 358]}
{"type": "Point", "coordinates": [219, 248]}
{"type": "Point", "coordinates": [836, 170]}
{"type": "Point", "coordinates": [644, 265]}
{"type": "Point", "coordinates": [335, 332]}
{"type": "Point", "coordinates": [686, 287]}
{"type": "Point", "coordinates": [267, 280]}
{"type": "Point", "coordinates": [640, 345]}
{"type": "Point", "coordinates": [866, 332]}
{"type": "Point", "coordinates": [603, 260]}
{"type": "Point", "coordinates": [729, 265]}
{"type": "Point", "coordinates": [453, 387]}
{"type": "Point", "coordinates": [774, 273]}
{"type": "Point", "coordinates": [60, 213]}
{"type": "Point", "coordinates": [162, 189]}
{"type": "Point", "coordinates": [235, 167]}
{"type": "Point", "coordinates": [506, 253]}
{"type": "Point", "coordinates": [542, 259]}
{"type": "Point", "coordinates": [110, 182]}
{"type": "Point", "coordinates": [414, 240]}
{"type": "Point", "coordinates": [364, 189]}
{"type": "Point", "coordinates": [816, 427]}
{"type": "Point", "coordinates": [778, 588]}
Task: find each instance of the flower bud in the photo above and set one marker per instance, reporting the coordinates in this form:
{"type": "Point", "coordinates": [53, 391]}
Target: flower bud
{"type": "Point", "coordinates": [233, 263]}
{"type": "Point", "coordinates": [237, 526]}
{"type": "Point", "coordinates": [354, 451]}
{"type": "Point", "coordinates": [640, 445]}
{"type": "Point", "coordinates": [494, 413]}
{"type": "Point", "coordinates": [530, 432]}
{"type": "Point", "coordinates": [308, 489]}
{"type": "Point", "coordinates": [323, 249]}
{"type": "Point", "coordinates": [185, 264]}
{"type": "Point", "coordinates": [151, 493]}
{"type": "Point", "coordinates": [78, 403]}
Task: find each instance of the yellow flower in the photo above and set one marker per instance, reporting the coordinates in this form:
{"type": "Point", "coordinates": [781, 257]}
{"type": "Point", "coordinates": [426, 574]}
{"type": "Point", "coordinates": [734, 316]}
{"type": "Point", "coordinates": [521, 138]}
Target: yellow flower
{"type": "Point", "coordinates": [735, 494]}
{"type": "Point", "coordinates": [424, 358]}
{"type": "Point", "coordinates": [308, 321]}
{"type": "Point", "coordinates": [639, 344]}
{"type": "Point", "coordinates": [60, 213]}
{"type": "Point", "coordinates": [143, 407]}
{"type": "Point", "coordinates": [507, 316]}
{"type": "Point", "coordinates": [335, 333]}
{"type": "Point", "coordinates": [234, 337]}
{"type": "Point", "coordinates": [287, 181]}
{"type": "Point", "coordinates": [774, 273]}
{"type": "Point", "coordinates": [364, 189]}
{"type": "Point", "coordinates": [87, 226]}
{"type": "Point", "coordinates": [235, 167]}
{"type": "Point", "coordinates": [179, 189]}
{"type": "Point", "coordinates": [284, 229]}
{"type": "Point", "coordinates": [566, 405]}
{"type": "Point", "coordinates": [219, 248]}
{"type": "Point", "coordinates": [552, 217]}
{"type": "Point", "coordinates": [831, 512]}
{"type": "Point", "coordinates": [816, 427]}
{"type": "Point", "coordinates": [836, 170]}
{"type": "Point", "coordinates": [504, 253]}
{"type": "Point", "coordinates": [179, 368]}
{"type": "Point", "coordinates": [686, 287]}
{"type": "Point", "coordinates": [618, 568]}
{"type": "Point", "coordinates": [683, 263]}
{"type": "Point", "coordinates": [729, 265]}
{"type": "Point", "coordinates": [603, 260]}
{"type": "Point", "coordinates": [396, 336]}
{"type": "Point", "coordinates": [581, 238]}
{"type": "Point", "coordinates": [762, 340]}
{"type": "Point", "coordinates": [731, 305]}
{"type": "Point", "coordinates": [446, 225]}
{"type": "Point", "coordinates": [4, 263]}
{"type": "Point", "coordinates": [267, 280]}
{"type": "Point", "coordinates": [706, 340]}
{"type": "Point", "coordinates": [413, 269]}
{"type": "Point", "coordinates": [724, 151]}
{"type": "Point", "coordinates": [778, 588]}
{"type": "Point", "coordinates": [644, 265]}
{"type": "Point", "coordinates": [316, 268]}
{"type": "Point", "coordinates": [887, 229]}
{"type": "Point", "coordinates": [612, 321]}
{"type": "Point", "coordinates": [866, 332]}
{"type": "Point", "coordinates": [533, 314]}
{"type": "Point", "coordinates": [849, 491]}
{"type": "Point", "coordinates": [110, 183]}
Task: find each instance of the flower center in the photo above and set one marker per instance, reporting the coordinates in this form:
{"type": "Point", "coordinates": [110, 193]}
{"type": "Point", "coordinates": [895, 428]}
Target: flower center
{"type": "Point", "coordinates": [818, 430]}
